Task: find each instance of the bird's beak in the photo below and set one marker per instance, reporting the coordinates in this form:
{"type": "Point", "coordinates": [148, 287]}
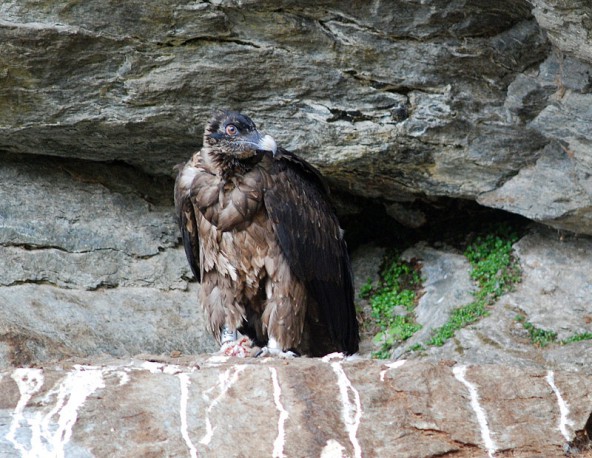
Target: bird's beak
{"type": "Point", "coordinates": [267, 143]}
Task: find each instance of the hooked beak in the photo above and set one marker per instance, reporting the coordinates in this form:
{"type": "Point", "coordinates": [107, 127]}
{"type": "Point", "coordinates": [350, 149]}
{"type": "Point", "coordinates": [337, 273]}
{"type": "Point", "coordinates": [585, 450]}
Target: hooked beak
{"type": "Point", "coordinates": [267, 143]}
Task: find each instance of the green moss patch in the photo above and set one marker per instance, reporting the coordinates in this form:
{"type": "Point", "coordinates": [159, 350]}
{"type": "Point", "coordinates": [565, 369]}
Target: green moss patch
{"type": "Point", "coordinates": [393, 302]}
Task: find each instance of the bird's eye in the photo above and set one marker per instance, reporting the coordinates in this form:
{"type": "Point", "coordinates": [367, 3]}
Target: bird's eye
{"type": "Point", "coordinates": [231, 130]}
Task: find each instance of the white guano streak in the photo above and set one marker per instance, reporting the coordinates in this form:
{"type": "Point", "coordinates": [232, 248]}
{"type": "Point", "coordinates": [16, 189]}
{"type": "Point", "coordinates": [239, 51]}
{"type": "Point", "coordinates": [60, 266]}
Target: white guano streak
{"type": "Point", "coordinates": [459, 374]}
{"type": "Point", "coordinates": [278, 444]}
{"type": "Point", "coordinates": [185, 382]}
{"type": "Point", "coordinates": [564, 420]}
{"type": "Point", "coordinates": [70, 395]}
{"type": "Point", "coordinates": [217, 359]}
{"type": "Point", "coordinates": [333, 449]}
{"type": "Point", "coordinates": [49, 438]}
{"type": "Point", "coordinates": [29, 382]}
{"type": "Point", "coordinates": [155, 367]}
{"type": "Point", "coordinates": [351, 411]}
{"type": "Point", "coordinates": [393, 365]}
{"type": "Point", "coordinates": [330, 356]}
{"type": "Point", "coordinates": [51, 431]}
{"type": "Point", "coordinates": [226, 380]}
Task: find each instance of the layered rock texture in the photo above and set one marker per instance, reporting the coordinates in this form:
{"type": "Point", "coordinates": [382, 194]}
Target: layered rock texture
{"type": "Point", "coordinates": [404, 105]}
{"type": "Point", "coordinates": [477, 100]}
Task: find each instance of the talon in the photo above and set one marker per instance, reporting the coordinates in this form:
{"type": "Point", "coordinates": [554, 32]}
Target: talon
{"type": "Point", "coordinates": [266, 351]}
{"type": "Point", "coordinates": [273, 349]}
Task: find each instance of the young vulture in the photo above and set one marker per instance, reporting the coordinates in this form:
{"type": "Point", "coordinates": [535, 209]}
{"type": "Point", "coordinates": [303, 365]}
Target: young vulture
{"type": "Point", "coordinates": [263, 239]}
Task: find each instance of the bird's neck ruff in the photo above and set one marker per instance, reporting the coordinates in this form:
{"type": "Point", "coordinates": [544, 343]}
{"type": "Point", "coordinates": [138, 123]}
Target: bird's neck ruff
{"type": "Point", "coordinates": [227, 165]}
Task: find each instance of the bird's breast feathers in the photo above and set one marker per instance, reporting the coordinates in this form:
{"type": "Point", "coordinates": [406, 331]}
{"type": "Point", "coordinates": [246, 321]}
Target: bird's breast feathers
{"type": "Point", "coordinates": [227, 203]}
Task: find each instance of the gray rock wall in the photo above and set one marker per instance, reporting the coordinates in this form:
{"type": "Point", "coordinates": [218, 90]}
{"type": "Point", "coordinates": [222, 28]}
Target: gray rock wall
{"type": "Point", "coordinates": [475, 100]}
{"type": "Point", "coordinates": [91, 264]}
{"type": "Point", "coordinates": [393, 100]}
{"type": "Point", "coordinates": [481, 100]}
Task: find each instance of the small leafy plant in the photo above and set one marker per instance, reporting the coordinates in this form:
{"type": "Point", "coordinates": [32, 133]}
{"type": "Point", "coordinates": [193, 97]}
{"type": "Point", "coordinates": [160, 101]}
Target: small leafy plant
{"type": "Point", "coordinates": [539, 337]}
{"type": "Point", "coordinates": [578, 338]}
{"type": "Point", "coordinates": [542, 337]}
{"type": "Point", "coordinates": [495, 271]}
{"type": "Point", "coordinates": [393, 302]}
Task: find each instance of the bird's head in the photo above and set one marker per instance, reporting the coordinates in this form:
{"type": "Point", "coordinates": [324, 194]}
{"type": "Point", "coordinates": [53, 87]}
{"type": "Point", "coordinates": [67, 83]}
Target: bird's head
{"type": "Point", "coordinates": [234, 135]}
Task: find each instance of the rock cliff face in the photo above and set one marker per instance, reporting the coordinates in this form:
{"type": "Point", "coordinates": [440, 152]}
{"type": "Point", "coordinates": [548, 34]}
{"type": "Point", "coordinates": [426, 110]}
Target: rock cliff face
{"type": "Point", "coordinates": [402, 103]}
{"type": "Point", "coordinates": [471, 99]}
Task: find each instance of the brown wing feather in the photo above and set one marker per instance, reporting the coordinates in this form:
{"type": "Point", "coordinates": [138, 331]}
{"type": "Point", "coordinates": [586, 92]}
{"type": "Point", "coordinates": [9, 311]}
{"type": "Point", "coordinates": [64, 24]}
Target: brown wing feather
{"type": "Point", "coordinates": [188, 225]}
{"type": "Point", "coordinates": [310, 238]}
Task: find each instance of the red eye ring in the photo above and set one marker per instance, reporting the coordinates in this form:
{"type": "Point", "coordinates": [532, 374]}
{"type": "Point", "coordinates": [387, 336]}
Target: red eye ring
{"type": "Point", "coordinates": [231, 130]}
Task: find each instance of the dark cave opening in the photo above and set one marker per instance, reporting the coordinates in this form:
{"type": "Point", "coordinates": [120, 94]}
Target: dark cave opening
{"type": "Point", "coordinates": [435, 220]}
{"type": "Point", "coordinates": [445, 220]}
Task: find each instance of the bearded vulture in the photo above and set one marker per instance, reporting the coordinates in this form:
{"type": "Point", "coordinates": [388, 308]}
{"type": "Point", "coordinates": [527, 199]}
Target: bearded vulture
{"type": "Point", "coordinates": [262, 237]}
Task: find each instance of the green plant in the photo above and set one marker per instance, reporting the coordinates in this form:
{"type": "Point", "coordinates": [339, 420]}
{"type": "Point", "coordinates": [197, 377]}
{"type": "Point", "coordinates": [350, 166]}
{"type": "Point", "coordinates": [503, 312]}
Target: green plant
{"type": "Point", "coordinates": [366, 289]}
{"type": "Point", "coordinates": [578, 337]}
{"type": "Point", "coordinates": [539, 337]}
{"type": "Point", "coordinates": [459, 318]}
{"type": "Point", "coordinates": [399, 330]}
{"type": "Point", "coordinates": [493, 267]}
{"type": "Point", "coordinates": [417, 347]}
{"type": "Point", "coordinates": [392, 302]}
{"type": "Point", "coordinates": [542, 337]}
{"type": "Point", "coordinates": [495, 271]}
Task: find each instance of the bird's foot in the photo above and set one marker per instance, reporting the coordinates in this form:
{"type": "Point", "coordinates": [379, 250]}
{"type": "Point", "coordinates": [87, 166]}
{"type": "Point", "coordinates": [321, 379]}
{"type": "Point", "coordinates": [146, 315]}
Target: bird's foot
{"type": "Point", "coordinates": [266, 352]}
{"type": "Point", "coordinates": [273, 349]}
{"type": "Point", "coordinates": [240, 348]}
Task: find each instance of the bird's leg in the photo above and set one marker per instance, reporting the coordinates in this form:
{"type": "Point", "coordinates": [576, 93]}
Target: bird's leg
{"type": "Point", "coordinates": [231, 345]}
{"type": "Point", "coordinates": [273, 348]}
{"type": "Point", "coordinates": [284, 312]}
{"type": "Point", "coordinates": [227, 335]}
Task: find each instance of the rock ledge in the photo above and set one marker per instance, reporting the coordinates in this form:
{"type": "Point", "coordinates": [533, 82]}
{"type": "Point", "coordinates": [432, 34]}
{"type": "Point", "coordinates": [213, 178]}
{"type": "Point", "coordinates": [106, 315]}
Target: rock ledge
{"type": "Point", "coordinates": [215, 406]}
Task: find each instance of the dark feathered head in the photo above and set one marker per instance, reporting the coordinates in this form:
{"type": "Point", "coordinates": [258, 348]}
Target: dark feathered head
{"type": "Point", "coordinates": [233, 134]}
